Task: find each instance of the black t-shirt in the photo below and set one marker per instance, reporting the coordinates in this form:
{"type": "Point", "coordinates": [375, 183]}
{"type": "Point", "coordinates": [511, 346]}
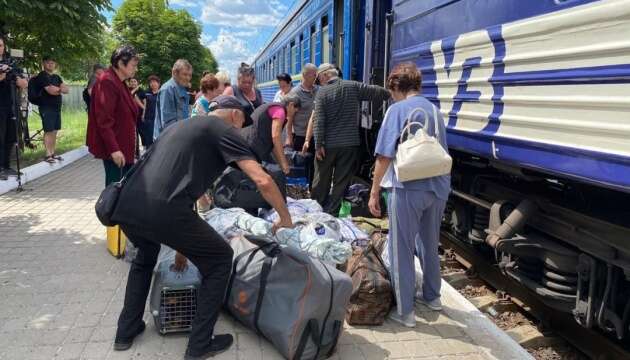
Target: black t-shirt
{"type": "Point", "coordinates": [259, 134]}
{"type": "Point", "coordinates": [149, 109]}
{"type": "Point", "coordinates": [44, 79]}
{"type": "Point", "coordinates": [184, 162]}
{"type": "Point", "coordinates": [5, 95]}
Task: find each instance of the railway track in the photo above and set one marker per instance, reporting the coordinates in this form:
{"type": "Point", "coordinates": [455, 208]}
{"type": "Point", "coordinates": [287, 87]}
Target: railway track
{"type": "Point", "coordinates": [515, 304]}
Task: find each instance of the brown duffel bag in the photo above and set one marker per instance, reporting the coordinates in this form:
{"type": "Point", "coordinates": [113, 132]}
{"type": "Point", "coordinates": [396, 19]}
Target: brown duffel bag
{"type": "Point", "coordinates": [372, 295]}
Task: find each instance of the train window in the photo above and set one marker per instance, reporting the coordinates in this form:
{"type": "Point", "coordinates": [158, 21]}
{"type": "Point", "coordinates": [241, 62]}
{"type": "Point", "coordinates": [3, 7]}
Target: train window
{"type": "Point", "coordinates": [272, 73]}
{"type": "Point", "coordinates": [303, 53]}
{"type": "Point", "coordinates": [281, 59]}
{"type": "Point", "coordinates": [294, 57]}
{"type": "Point", "coordinates": [313, 44]}
{"type": "Point", "coordinates": [325, 40]}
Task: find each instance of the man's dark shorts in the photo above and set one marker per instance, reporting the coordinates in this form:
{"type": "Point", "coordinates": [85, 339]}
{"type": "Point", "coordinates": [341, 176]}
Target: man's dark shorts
{"type": "Point", "coordinates": [51, 118]}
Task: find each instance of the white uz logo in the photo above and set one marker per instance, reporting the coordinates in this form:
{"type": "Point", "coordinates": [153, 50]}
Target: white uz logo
{"type": "Point", "coordinates": [463, 70]}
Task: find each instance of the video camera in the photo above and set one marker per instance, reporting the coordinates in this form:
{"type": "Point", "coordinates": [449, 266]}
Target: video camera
{"type": "Point", "coordinates": [10, 64]}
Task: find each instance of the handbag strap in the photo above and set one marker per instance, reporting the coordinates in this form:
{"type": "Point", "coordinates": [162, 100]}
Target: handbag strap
{"type": "Point", "coordinates": [135, 166]}
{"type": "Point", "coordinates": [407, 128]}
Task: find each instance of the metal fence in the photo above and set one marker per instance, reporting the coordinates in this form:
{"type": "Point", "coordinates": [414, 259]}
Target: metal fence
{"type": "Point", "coordinates": [74, 99]}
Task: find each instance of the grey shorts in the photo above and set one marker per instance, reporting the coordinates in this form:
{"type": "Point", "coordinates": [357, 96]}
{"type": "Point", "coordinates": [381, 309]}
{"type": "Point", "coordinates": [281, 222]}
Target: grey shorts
{"type": "Point", "coordinates": [51, 118]}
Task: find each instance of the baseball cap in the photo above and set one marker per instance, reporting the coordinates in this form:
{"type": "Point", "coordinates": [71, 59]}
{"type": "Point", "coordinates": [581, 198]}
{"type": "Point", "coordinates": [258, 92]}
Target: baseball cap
{"type": "Point", "coordinates": [225, 102]}
{"type": "Point", "coordinates": [324, 67]}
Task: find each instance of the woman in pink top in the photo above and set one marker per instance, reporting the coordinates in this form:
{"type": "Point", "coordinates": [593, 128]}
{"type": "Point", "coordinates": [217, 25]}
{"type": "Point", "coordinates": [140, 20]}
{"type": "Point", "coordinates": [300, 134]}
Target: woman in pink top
{"type": "Point", "coordinates": [265, 134]}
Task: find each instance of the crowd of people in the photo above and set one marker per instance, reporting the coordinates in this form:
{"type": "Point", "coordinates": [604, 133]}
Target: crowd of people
{"type": "Point", "coordinates": [189, 139]}
{"type": "Point", "coordinates": [230, 124]}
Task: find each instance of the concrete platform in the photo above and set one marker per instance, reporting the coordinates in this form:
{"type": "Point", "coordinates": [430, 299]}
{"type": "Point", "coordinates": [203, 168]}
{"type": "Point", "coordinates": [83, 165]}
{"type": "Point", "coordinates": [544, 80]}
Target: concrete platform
{"type": "Point", "coordinates": [61, 292]}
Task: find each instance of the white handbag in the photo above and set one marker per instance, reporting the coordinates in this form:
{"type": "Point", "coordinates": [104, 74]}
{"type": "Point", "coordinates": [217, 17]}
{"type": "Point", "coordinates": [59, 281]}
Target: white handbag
{"type": "Point", "coordinates": [421, 156]}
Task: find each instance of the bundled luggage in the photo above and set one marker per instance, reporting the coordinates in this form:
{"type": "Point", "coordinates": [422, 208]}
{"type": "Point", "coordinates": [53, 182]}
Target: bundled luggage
{"type": "Point", "coordinates": [372, 295]}
{"type": "Point", "coordinates": [297, 163]}
{"type": "Point", "coordinates": [296, 302]}
{"type": "Point", "coordinates": [235, 189]}
{"type": "Point", "coordinates": [228, 221]}
{"type": "Point", "coordinates": [357, 198]}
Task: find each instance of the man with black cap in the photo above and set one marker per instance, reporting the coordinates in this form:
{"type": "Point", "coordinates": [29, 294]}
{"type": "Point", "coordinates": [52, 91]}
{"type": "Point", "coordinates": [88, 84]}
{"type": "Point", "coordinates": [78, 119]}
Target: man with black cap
{"type": "Point", "coordinates": [156, 207]}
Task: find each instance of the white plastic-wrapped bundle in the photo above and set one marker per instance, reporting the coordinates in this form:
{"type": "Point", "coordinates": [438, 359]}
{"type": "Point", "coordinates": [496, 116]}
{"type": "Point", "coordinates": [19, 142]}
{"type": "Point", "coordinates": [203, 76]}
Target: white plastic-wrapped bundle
{"type": "Point", "coordinates": [305, 236]}
{"type": "Point", "coordinates": [307, 210]}
{"type": "Point", "coordinates": [222, 220]}
{"type": "Point", "coordinates": [319, 224]}
{"type": "Point", "coordinates": [352, 234]}
{"type": "Point", "coordinates": [297, 209]}
{"type": "Point", "coordinates": [317, 246]}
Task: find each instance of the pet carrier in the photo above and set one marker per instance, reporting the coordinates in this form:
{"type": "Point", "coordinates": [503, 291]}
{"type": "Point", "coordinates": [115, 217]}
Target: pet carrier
{"type": "Point", "coordinates": [174, 297]}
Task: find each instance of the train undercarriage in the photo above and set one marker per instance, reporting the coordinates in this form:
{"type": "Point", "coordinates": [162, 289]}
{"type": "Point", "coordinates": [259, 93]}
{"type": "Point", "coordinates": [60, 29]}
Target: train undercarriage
{"type": "Point", "coordinates": [567, 242]}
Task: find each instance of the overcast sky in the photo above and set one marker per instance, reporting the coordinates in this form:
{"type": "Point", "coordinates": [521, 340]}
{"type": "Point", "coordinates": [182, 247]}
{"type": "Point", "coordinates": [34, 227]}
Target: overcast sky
{"type": "Point", "coordinates": [235, 30]}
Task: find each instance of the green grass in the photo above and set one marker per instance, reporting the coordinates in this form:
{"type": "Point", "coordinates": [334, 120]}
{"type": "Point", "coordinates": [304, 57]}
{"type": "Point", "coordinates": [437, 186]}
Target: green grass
{"type": "Point", "coordinates": [70, 137]}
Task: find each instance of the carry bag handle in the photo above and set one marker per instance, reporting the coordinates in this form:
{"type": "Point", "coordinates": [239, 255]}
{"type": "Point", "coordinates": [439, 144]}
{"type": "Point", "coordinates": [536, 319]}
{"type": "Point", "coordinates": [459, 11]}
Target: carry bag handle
{"type": "Point", "coordinates": [264, 243]}
{"type": "Point", "coordinates": [270, 248]}
{"type": "Point", "coordinates": [406, 129]}
{"type": "Point", "coordinates": [312, 331]}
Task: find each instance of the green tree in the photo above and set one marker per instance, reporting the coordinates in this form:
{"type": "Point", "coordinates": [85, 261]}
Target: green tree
{"type": "Point", "coordinates": [71, 31]}
{"type": "Point", "coordinates": [81, 69]}
{"type": "Point", "coordinates": [162, 35]}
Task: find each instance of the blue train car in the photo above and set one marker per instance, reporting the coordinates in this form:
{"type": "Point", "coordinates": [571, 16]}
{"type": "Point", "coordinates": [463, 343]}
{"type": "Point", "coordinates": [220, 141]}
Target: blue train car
{"type": "Point", "coordinates": [529, 83]}
{"type": "Point", "coordinates": [348, 33]}
{"type": "Point", "coordinates": [535, 96]}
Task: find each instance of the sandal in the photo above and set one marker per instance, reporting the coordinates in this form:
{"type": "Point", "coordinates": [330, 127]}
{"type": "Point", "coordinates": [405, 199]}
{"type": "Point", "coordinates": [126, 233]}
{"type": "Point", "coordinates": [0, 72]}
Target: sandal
{"type": "Point", "coordinates": [49, 159]}
{"type": "Point", "coordinates": [57, 157]}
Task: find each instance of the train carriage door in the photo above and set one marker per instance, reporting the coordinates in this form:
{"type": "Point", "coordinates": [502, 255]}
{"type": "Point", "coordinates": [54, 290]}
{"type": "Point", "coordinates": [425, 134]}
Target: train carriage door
{"type": "Point", "coordinates": [367, 47]}
{"type": "Point", "coordinates": [366, 60]}
{"type": "Point", "coordinates": [346, 66]}
{"type": "Point", "coordinates": [339, 32]}
{"type": "Point", "coordinates": [349, 26]}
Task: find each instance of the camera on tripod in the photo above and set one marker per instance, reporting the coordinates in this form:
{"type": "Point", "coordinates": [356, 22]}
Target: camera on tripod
{"type": "Point", "coordinates": [10, 65]}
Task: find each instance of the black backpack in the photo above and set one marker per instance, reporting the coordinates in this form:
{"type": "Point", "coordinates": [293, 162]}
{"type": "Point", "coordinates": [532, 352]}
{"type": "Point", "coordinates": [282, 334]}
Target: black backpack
{"type": "Point", "coordinates": [34, 91]}
{"type": "Point", "coordinates": [86, 99]}
{"type": "Point", "coordinates": [235, 189]}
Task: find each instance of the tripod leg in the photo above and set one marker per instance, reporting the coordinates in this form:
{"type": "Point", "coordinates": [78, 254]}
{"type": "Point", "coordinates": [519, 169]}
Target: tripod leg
{"type": "Point", "coordinates": [14, 120]}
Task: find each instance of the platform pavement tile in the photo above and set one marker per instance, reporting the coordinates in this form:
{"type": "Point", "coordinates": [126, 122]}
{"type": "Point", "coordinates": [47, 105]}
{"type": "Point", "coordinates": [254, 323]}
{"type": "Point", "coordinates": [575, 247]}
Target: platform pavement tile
{"type": "Point", "coordinates": [98, 350]}
{"type": "Point", "coordinates": [349, 352]}
{"type": "Point", "coordinates": [247, 340]}
{"type": "Point", "coordinates": [70, 351]}
{"type": "Point", "coordinates": [373, 352]}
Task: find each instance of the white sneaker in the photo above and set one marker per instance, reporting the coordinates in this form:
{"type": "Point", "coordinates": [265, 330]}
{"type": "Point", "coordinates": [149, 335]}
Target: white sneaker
{"type": "Point", "coordinates": [408, 320]}
{"type": "Point", "coordinates": [435, 304]}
